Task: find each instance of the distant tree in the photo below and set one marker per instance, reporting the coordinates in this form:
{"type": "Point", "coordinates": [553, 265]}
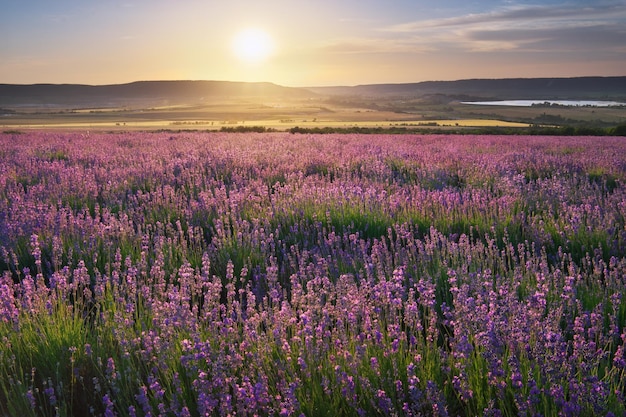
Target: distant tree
{"type": "Point", "coordinates": [619, 130]}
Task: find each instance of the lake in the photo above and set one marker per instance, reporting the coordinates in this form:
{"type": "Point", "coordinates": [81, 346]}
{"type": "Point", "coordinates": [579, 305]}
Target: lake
{"type": "Point", "coordinates": [528, 103]}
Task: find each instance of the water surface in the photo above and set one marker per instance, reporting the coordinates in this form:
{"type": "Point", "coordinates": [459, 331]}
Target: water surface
{"type": "Point", "coordinates": [528, 103]}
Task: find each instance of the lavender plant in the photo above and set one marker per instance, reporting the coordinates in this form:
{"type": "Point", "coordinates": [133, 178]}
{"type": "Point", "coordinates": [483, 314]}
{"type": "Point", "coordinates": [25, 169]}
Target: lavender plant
{"type": "Point", "coordinates": [190, 273]}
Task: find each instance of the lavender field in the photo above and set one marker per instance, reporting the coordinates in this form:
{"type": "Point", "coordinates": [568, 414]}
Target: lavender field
{"type": "Point", "coordinates": [206, 274]}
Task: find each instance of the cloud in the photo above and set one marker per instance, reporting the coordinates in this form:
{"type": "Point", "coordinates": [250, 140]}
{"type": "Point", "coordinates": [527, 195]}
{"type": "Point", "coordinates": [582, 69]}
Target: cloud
{"type": "Point", "coordinates": [583, 36]}
{"type": "Point", "coordinates": [373, 46]}
{"type": "Point", "coordinates": [519, 15]}
{"type": "Point", "coordinates": [525, 27]}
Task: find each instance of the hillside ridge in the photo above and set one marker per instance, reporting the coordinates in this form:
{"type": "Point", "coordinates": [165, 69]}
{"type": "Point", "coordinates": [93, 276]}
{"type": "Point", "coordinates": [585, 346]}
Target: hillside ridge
{"type": "Point", "coordinates": [175, 92]}
{"type": "Point", "coordinates": [169, 92]}
{"type": "Point", "coordinates": [503, 88]}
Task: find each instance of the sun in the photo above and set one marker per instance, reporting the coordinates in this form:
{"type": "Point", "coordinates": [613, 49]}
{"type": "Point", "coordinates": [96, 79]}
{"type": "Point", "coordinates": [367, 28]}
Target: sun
{"type": "Point", "coordinates": [253, 45]}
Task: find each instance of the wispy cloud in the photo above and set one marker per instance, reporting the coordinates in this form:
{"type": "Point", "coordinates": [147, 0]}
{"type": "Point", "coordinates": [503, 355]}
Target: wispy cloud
{"type": "Point", "coordinates": [518, 28]}
{"type": "Point", "coordinates": [520, 15]}
{"type": "Point", "coordinates": [566, 37]}
{"type": "Point", "coordinates": [357, 45]}
{"type": "Point", "coordinates": [524, 27]}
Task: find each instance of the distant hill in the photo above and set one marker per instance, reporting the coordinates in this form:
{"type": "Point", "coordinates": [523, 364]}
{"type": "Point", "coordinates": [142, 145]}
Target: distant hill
{"type": "Point", "coordinates": [139, 93]}
{"type": "Point", "coordinates": [599, 88]}
{"type": "Point", "coordinates": [144, 94]}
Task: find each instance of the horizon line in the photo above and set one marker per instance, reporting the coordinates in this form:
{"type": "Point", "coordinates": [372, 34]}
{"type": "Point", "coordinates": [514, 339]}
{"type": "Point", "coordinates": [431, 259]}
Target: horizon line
{"type": "Point", "coordinates": [311, 86]}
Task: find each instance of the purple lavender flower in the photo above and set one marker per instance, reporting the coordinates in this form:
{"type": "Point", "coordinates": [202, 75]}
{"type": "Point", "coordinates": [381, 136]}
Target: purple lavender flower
{"type": "Point", "coordinates": [109, 406]}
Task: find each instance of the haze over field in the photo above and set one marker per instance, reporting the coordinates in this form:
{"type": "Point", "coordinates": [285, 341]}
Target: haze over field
{"type": "Point", "coordinates": [308, 43]}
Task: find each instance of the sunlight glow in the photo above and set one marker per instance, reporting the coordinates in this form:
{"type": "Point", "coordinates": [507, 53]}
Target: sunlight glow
{"type": "Point", "coordinates": [253, 45]}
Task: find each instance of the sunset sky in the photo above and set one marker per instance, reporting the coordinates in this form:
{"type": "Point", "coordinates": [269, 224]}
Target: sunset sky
{"type": "Point", "coordinates": [308, 42]}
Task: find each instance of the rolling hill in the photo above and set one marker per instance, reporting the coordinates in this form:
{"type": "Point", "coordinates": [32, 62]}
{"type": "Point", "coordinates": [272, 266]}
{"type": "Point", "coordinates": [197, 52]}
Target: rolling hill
{"type": "Point", "coordinates": [579, 88]}
{"type": "Point", "coordinates": [146, 94]}
{"type": "Point", "coordinates": [140, 93]}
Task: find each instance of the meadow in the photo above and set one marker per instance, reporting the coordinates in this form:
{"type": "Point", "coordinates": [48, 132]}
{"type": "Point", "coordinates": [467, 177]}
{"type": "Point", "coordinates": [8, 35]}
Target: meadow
{"type": "Point", "coordinates": [436, 114]}
{"type": "Point", "coordinates": [187, 274]}
{"type": "Point", "coordinates": [280, 115]}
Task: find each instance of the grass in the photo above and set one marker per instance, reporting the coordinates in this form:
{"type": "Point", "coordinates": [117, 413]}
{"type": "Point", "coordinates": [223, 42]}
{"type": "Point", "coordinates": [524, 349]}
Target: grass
{"type": "Point", "coordinates": [412, 275]}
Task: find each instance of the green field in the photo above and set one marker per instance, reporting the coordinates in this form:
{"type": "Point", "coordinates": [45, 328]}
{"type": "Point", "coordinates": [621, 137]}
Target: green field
{"type": "Point", "coordinates": [310, 113]}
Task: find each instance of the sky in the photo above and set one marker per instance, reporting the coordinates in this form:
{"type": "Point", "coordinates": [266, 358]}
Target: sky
{"type": "Point", "coordinates": [308, 42]}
